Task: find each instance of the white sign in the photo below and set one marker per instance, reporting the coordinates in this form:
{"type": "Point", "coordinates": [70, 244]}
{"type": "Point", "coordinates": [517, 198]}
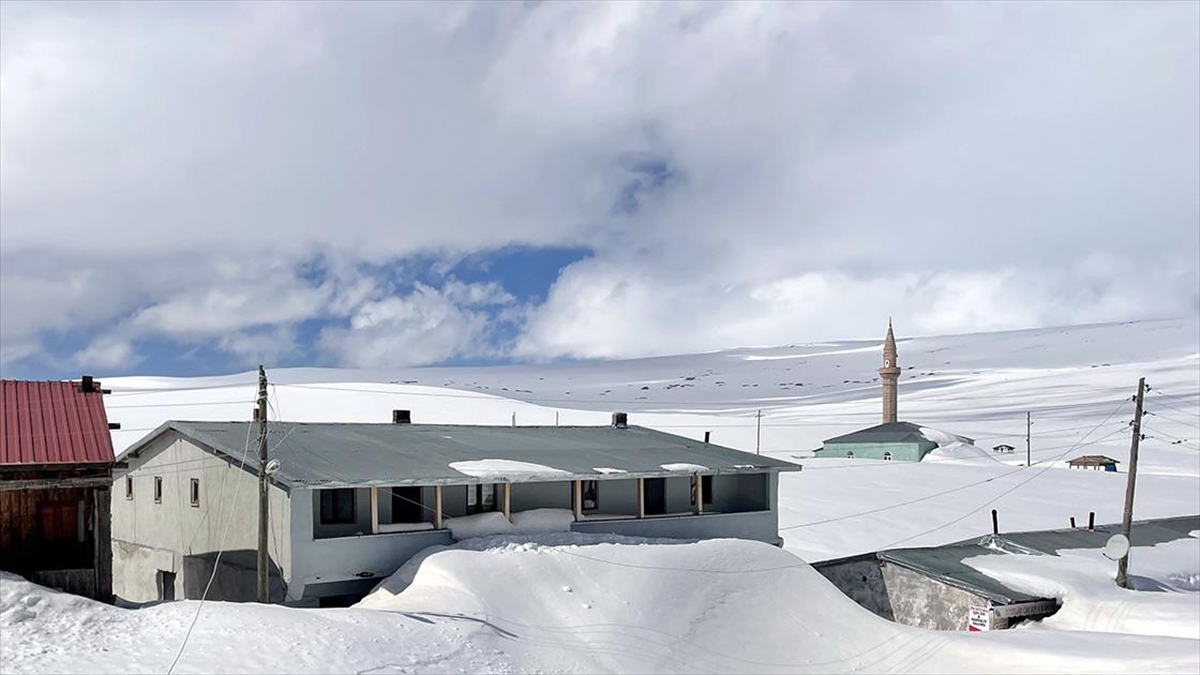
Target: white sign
{"type": "Point", "coordinates": [979, 618]}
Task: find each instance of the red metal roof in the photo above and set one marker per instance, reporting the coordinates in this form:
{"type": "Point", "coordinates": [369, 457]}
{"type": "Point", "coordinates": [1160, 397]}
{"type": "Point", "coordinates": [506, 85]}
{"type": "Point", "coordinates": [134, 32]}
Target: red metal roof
{"type": "Point", "coordinates": [52, 423]}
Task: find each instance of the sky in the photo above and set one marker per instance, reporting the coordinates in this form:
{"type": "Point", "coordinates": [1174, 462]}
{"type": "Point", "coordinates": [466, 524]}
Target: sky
{"type": "Point", "coordinates": [196, 188]}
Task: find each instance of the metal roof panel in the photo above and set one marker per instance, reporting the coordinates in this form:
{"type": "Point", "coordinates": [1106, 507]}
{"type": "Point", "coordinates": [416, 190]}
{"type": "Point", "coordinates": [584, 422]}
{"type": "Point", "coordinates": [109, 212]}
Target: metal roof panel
{"type": "Point", "coordinates": [52, 423]}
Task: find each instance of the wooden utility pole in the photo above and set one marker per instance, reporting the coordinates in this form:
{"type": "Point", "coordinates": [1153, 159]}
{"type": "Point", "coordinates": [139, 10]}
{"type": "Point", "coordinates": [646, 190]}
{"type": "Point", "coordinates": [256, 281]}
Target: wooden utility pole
{"type": "Point", "coordinates": [263, 505]}
{"type": "Point", "coordinates": [1127, 520]}
{"type": "Point", "coordinates": [758, 434]}
{"type": "Point", "coordinates": [1028, 454]}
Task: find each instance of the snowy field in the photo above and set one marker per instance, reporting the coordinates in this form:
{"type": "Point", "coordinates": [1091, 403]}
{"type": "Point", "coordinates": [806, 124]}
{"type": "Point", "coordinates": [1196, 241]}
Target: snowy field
{"type": "Point", "coordinates": [575, 605]}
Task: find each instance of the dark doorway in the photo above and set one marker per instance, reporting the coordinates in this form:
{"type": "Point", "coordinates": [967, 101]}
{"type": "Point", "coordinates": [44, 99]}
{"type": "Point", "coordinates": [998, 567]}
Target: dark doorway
{"type": "Point", "coordinates": [166, 585]}
{"type": "Point", "coordinates": [406, 505]}
{"type": "Point", "coordinates": [656, 496]}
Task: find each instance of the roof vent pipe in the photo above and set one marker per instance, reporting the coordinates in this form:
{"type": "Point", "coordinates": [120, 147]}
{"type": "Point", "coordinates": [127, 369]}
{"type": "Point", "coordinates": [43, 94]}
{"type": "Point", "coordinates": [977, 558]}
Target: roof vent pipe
{"type": "Point", "coordinates": [620, 420]}
{"type": "Point", "coordinates": [401, 417]}
{"type": "Point", "coordinates": [87, 385]}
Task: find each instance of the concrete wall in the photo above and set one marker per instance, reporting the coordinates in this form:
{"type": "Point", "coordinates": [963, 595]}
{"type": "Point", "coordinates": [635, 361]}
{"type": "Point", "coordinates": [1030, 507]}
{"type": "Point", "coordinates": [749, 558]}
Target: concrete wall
{"type": "Point", "coordinates": [740, 492]}
{"type": "Point", "coordinates": [861, 579]}
{"type": "Point", "coordinates": [918, 600]}
{"type": "Point", "coordinates": [529, 496]}
{"type": "Point", "coordinates": [148, 536]}
{"type": "Point", "coordinates": [901, 452]}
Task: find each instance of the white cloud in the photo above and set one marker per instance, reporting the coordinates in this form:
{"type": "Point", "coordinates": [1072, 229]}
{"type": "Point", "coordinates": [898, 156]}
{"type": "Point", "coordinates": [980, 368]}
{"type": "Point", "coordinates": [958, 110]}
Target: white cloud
{"type": "Point", "coordinates": [998, 163]}
{"type": "Point", "coordinates": [106, 354]}
{"type": "Point", "coordinates": [426, 326]}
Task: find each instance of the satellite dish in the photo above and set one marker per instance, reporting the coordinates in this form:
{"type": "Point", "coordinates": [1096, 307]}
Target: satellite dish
{"type": "Point", "coordinates": [272, 467]}
{"type": "Point", "coordinates": [1117, 547]}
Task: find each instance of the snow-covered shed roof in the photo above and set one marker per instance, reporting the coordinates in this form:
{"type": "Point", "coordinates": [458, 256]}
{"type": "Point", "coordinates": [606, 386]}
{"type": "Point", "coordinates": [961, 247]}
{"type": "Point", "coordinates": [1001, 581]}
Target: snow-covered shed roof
{"type": "Point", "coordinates": [945, 563]}
{"type": "Point", "coordinates": [897, 432]}
{"type": "Point", "coordinates": [354, 454]}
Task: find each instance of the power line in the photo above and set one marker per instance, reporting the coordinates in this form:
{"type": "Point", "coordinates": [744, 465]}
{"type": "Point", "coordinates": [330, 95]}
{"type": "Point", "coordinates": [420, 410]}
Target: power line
{"type": "Point", "coordinates": [1008, 491]}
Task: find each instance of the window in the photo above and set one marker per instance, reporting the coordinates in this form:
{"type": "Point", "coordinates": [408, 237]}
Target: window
{"type": "Point", "coordinates": [706, 483]}
{"type": "Point", "coordinates": [128, 487]}
{"type": "Point", "coordinates": [195, 492]}
{"type": "Point", "coordinates": [591, 495]}
{"type": "Point", "coordinates": [481, 498]}
{"type": "Point", "coordinates": [338, 507]}
{"type": "Point", "coordinates": [406, 505]}
{"type": "Point", "coordinates": [158, 489]}
{"type": "Point", "coordinates": [849, 454]}
{"type": "Point", "coordinates": [887, 456]}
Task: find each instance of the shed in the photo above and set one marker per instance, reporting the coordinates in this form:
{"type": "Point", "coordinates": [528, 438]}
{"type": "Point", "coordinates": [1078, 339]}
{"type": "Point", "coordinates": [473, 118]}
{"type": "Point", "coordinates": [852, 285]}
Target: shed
{"type": "Point", "coordinates": [1097, 462]}
{"type": "Point", "coordinates": [56, 460]}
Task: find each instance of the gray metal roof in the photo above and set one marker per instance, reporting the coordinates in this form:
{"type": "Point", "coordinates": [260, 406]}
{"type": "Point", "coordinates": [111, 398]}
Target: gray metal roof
{"type": "Point", "coordinates": [946, 562]}
{"type": "Point", "coordinates": [889, 432]}
{"type": "Point", "coordinates": [345, 455]}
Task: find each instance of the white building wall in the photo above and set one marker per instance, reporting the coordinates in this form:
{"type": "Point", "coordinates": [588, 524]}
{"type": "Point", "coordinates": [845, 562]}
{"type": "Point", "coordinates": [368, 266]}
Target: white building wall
{"type": "Point", "coordinates": [149, 536]}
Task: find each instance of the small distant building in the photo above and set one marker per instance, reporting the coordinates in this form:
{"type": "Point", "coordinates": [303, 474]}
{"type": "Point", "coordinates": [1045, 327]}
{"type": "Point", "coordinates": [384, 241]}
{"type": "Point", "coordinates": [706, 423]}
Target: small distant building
{"type": "Point", "coordinates": [56, 462]}
{"type": "Point", "coordinates": [1097, 462]}
{"type": "Point", "coordinates": [1004, 449]}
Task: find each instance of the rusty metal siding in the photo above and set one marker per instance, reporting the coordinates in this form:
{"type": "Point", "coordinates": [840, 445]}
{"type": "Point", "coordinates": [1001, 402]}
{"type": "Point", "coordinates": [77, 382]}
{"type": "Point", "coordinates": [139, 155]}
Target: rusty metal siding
{"type": "Point", "coordinates": [48, 423]}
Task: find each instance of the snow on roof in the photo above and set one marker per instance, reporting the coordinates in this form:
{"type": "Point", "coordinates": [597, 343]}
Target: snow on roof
{"type": "Point", "coordinates": [901, 432]}
{"type": "Point", "coordinates": [345, 455]}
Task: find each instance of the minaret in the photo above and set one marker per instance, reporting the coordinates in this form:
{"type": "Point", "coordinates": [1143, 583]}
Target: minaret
{"type": "Point", "coordinates": [890, 374]}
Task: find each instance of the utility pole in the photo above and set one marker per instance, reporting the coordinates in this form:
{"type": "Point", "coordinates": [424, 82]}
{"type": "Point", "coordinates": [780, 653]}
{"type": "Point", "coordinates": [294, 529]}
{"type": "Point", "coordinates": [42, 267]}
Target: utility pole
{"type": "Point", "coordinates": [1127, 520]}
{"type": "Point", "coordinates": [1028, 454]}
{"type": "Point", "coordinates": [263, 505]}
{"type": "Point", "coordinates": [758, 434]}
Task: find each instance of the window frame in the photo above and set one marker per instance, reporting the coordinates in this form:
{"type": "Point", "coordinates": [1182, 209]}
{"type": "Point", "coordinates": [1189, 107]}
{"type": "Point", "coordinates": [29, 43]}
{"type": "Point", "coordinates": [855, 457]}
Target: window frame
{"type": "Point", "coordinates": [158, 489]}
{"type": "Point", "coordinates": [706, 489]}
{"type": "Point", "coordinates": [128, 486]}
{"type": "Point", "coordinates": [194, 492]}
{"type": "Point", "coordinates": [481, 504]}
{"type": "Point", "coordinates": [336, 513]}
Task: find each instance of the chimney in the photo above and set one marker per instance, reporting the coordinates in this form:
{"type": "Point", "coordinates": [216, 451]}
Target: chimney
{"type": "Point", "coordinates": [401, 417]}
{"type": "Point", "coordinates": [87, 385]}
{"type": "Point", "coordinates": [620, 420]}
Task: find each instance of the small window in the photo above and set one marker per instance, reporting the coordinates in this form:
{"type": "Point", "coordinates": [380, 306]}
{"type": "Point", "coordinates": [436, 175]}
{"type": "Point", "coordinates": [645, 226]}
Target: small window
{"type": "Point", "coordinates": [706, 483]}
{"type": "Point", "coordinates": [338, 507]}
{"type": "Point", "coordinates": [887, 456]}
{"type": "Point", "coordinates": [591, 495]}
{"type": "Point", "coordinates": [128, 487]}
{"type": "Point", "coordinates": [406, 505]}
{"type": "Point", "coordinates": [195, 492]}
{"type": "Point", "coordinates": [158, 489]}
{"type": "Point", "coordinates": [849, 454]}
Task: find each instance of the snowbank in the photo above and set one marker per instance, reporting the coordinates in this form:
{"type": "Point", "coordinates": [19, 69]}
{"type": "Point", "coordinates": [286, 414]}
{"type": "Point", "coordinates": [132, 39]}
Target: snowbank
{"type": "Point", "coordinates": [480, 525]}
{"type": "Point", "coordinates": [943, 438]}
{"type": "Point", "coordinates": [541, 521]}
{"type": "Point", "coordinates": [607, 470]}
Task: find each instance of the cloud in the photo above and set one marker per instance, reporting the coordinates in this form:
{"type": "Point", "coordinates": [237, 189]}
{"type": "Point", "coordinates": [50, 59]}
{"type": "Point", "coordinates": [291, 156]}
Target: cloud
{"type": "Point", "coordinates": [753, 172]}
{"type": "Point", "coordinates": [428, 325]}
{"type": "Point", "coordinates": [107, 354]}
